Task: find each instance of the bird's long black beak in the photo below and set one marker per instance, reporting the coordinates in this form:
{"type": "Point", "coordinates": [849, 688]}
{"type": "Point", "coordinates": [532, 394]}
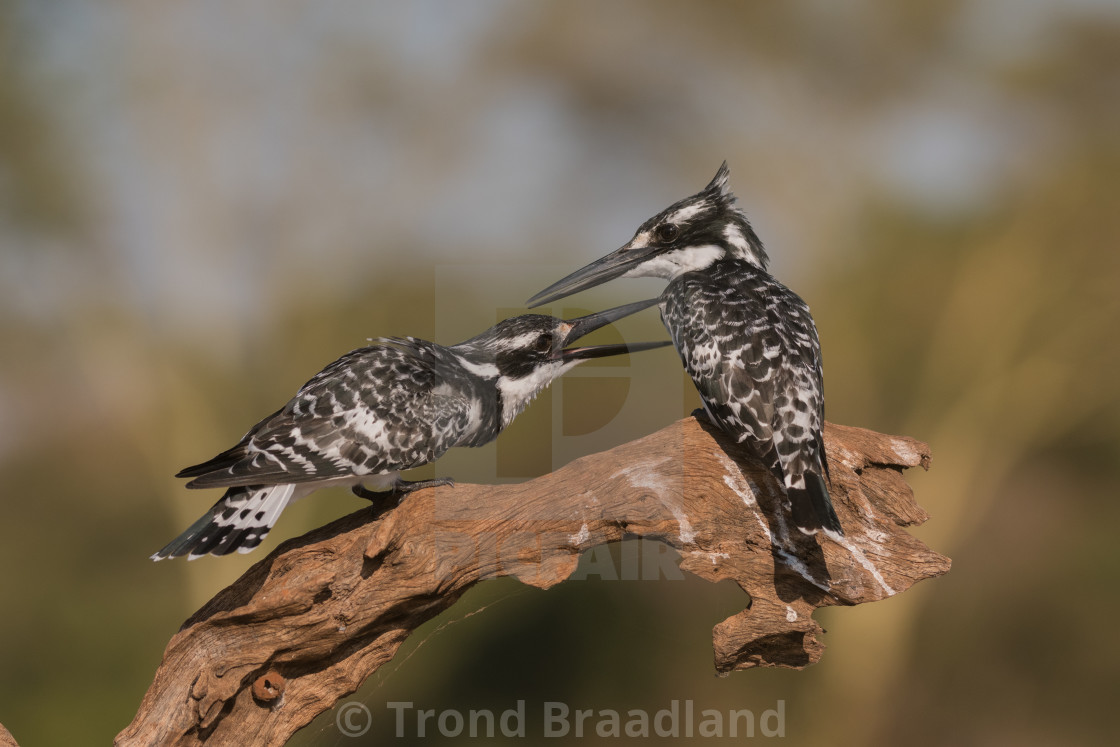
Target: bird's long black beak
{"type": "Point", "coordinates": [584, 325]}
{"type": "Point", "coordinates": [598, 272]}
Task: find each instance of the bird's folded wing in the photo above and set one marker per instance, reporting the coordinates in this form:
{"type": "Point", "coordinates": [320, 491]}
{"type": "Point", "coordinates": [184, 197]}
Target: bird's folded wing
{"type": "Point", "coordinates": [362, 414]}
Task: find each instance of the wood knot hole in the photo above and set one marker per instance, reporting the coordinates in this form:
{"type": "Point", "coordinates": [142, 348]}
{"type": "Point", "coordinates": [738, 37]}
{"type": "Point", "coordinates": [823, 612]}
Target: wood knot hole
{"type": "Point", "coordinates": [269, 686]}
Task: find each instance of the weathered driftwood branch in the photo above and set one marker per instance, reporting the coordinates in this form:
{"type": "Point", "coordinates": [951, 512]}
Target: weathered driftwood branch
{"type": "Point", "coordinates": [306, 625]}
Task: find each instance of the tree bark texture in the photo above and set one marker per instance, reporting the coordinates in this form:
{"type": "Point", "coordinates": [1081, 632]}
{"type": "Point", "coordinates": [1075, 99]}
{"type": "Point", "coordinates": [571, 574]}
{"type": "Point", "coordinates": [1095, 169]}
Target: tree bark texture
{"type": "Point", "coordinates": [309, 623]}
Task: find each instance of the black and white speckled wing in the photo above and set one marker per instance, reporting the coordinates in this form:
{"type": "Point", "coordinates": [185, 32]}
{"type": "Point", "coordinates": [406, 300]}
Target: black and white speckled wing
{"type": "Point", "coordinates": [751, 347]}
{"type": "Point", "coordinates": [391, 406]}
{"type": "Point", "coordinates": [712, 333]}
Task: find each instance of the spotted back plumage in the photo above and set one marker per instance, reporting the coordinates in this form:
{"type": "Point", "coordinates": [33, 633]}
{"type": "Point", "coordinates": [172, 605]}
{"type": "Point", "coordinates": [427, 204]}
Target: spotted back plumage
{"type": "Point", "coordinates": [751, 347]}
{"type": "Point", "coordinates": [391, 406]}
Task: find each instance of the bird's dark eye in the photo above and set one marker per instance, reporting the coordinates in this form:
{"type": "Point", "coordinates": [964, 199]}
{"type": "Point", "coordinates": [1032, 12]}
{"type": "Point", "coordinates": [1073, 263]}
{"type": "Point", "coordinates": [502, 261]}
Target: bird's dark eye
{"type": "Point", "coordinates": [667, 232]}
{"type": "Point", "coordinates": [543, 344]}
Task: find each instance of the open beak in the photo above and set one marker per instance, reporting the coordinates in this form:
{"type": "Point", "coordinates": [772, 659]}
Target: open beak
{"type": "Point", "coordinates": [586, 324]}
{"type": "Point", "coordinates": [598, 272]}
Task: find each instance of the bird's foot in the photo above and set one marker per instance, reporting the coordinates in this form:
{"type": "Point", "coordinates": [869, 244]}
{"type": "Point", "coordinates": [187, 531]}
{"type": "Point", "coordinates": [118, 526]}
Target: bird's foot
{"type": "Point", "coordinates": [400, 489]}
{"type": "Point", "coordinates": [404, 487]}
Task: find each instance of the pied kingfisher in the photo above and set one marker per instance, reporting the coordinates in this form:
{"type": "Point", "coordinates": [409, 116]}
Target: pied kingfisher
{"type": "Point", "coordinates": [393, 405]}
{"type": "Point", "coordinates": [748, 341]}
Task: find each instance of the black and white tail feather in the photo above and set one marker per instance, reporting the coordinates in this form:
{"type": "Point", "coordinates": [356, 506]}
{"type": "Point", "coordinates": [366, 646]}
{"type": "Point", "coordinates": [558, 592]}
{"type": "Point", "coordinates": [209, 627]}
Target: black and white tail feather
{"type": "Point", "coordinates": [239, 521]}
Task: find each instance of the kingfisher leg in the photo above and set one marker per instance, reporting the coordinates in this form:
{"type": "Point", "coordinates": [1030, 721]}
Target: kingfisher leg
{"type": "Point", "coordinates": [400, 489]}
{"type": "Point", "coordinates": [373, 496]}
{"type": "Point", "coordinates": [404, 487]}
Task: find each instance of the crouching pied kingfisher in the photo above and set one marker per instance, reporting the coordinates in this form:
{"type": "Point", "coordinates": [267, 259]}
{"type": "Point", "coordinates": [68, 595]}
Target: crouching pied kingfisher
{"type": "Point", "coordinates": [394, 405]}
{"type": "Point", "coordinates": [748, 341]}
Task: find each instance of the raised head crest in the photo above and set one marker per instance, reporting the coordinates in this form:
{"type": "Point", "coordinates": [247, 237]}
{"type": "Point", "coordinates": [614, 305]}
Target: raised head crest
{"type": "Point", "coordinates": [718, 184]}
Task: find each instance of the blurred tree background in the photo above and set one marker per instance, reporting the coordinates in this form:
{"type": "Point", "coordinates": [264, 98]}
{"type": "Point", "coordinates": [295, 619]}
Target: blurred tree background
{"type": "Point", "coordinates": [201, 205]}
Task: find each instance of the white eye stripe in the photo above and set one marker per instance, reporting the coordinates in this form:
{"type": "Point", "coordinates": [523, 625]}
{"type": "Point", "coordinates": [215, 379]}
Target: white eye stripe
{"type": "Point", "coordinates": [527, 340]}
{"type": "Point", "coordinates": [688, 212]}
{"type": "Point", "coordinates": [640, 241]}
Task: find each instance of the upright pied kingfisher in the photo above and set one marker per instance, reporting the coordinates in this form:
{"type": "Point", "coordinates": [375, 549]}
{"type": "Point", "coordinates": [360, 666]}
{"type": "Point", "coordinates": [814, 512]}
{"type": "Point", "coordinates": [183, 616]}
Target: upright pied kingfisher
{"type": "Point", "coordinates": [748, 341]}
{"type": "Point", "coordinates": [394, 405]}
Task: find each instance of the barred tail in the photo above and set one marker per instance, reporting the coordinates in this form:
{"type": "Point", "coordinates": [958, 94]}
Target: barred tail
{"type": "Point", "coordinates": [811, 506]}
{"type": "Point", "coordinates": [240, 520]}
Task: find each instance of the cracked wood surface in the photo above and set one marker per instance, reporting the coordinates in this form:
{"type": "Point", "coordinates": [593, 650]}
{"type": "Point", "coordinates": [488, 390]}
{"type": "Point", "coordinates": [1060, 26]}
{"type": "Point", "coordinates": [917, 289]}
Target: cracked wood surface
{"type": "Point", "coordinates": [309, 623]}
